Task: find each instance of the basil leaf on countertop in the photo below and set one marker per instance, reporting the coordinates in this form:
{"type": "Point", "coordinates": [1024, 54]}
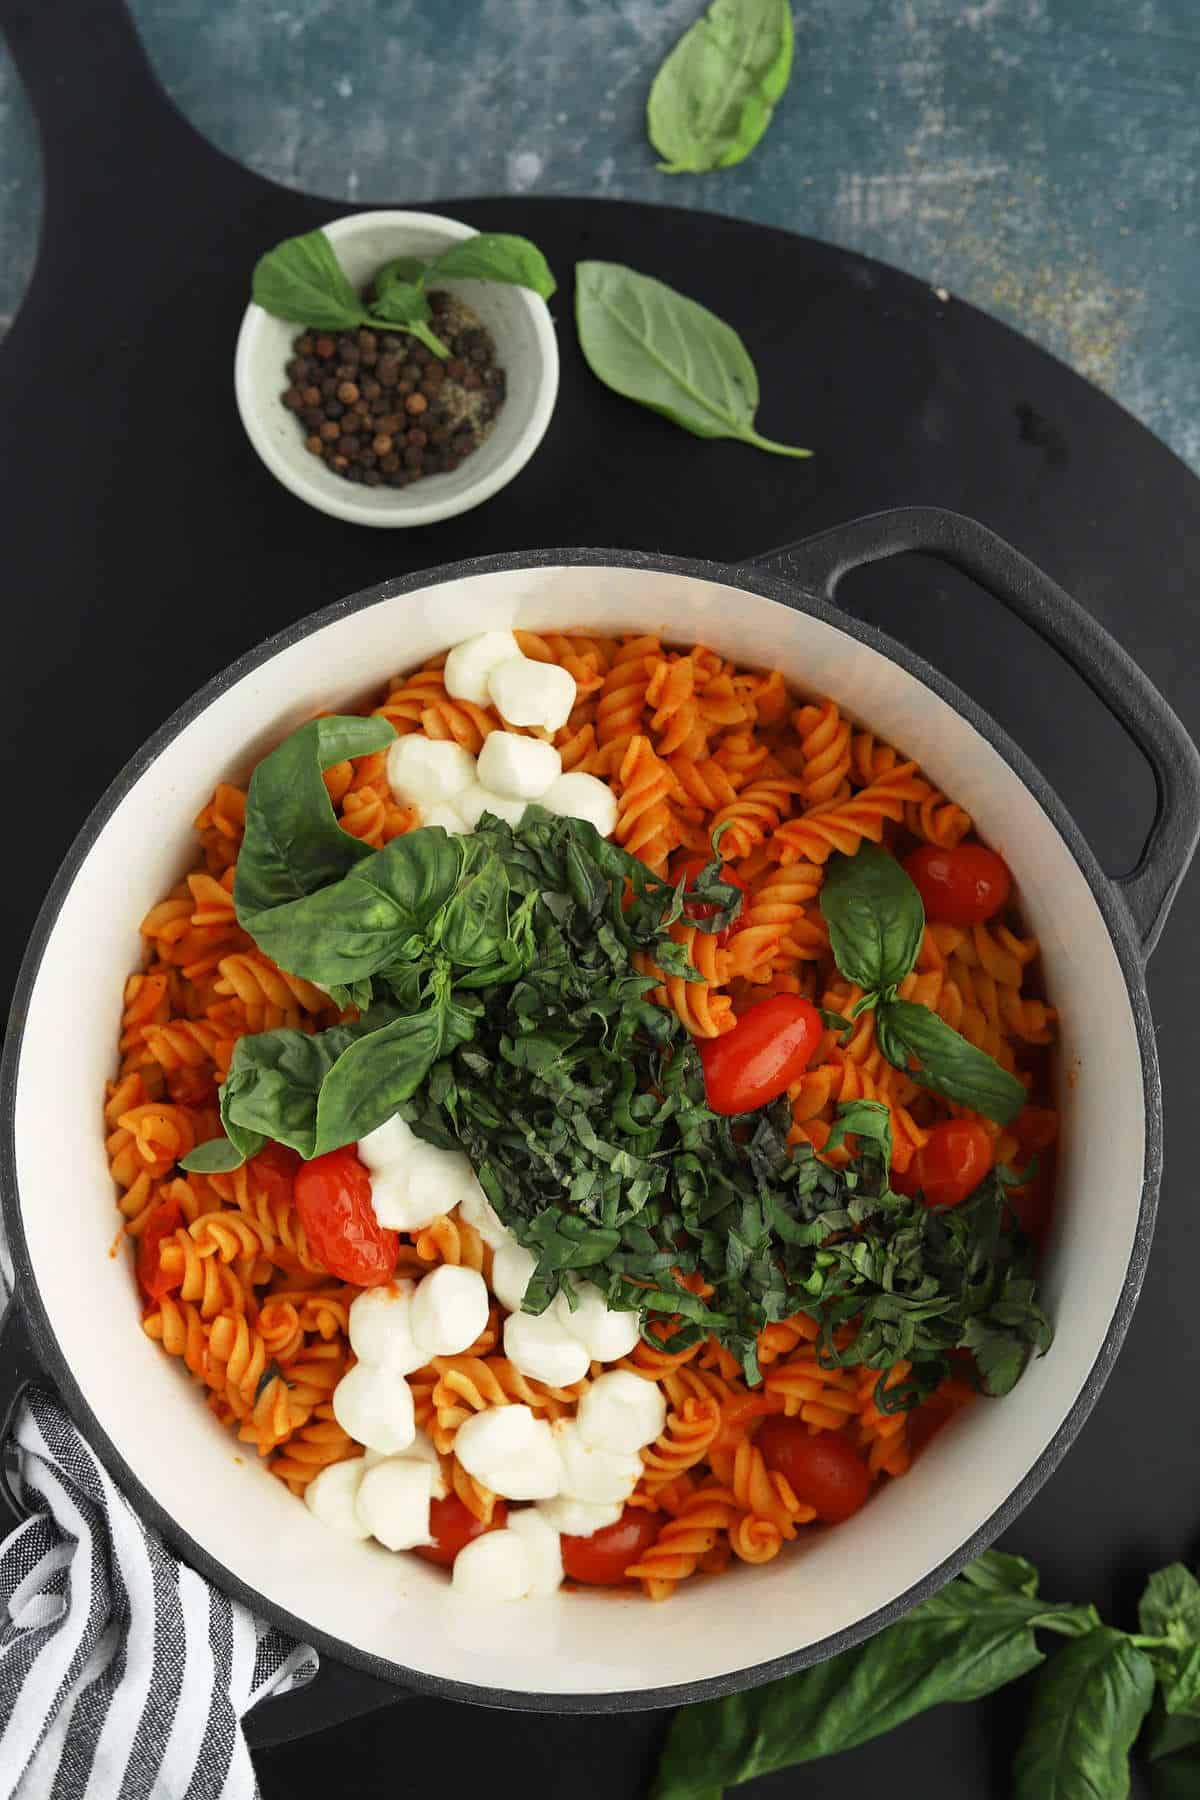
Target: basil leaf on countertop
{"type": "Point", "coordinates": [375, 915]}
{"type": "Point", "coordinates": [293, 843]}
{"type": "Point", "coordinates": [657, 347]}
{"type": "Point", "coordinates": [945, 1062]}
{"type": "Point", "coordinates": [875, 917]}
{"type": "Point", "coordinates": [495, 256]}
{"type": "Point", "coordinates": [1169, 1611]}
{"type": "Point", "coordinates": [301, 279]}
{"type": "Point", "coordinates": [714, 95]}
{"type": "Point", "coordinates": [968, 1640]}
{"type": "Point", "coordinates": [1088, 1708]}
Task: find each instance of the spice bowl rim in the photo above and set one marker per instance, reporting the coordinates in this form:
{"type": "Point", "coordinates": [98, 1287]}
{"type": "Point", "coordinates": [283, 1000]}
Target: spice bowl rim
{"type": "Point", "coordinates": [264, 341]}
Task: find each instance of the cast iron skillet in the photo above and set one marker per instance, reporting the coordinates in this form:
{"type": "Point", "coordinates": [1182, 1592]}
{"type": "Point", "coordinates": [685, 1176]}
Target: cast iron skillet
{"type": "Point", "coordinates": [804, 576]}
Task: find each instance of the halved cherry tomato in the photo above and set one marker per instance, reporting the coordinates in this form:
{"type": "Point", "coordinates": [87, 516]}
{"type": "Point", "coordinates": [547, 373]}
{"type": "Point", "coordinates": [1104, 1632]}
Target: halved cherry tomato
{"type": "Point", "coordinates": [602, 1559]}
{"type": "Point", "coordinates": [163, 1222]}
{"type": "Point", "coordinates": [333, 1199]}
{"type": "Point", "coordinates": [964, 886]}
{"type": "Point", "coordinates": [822, 1468]}
{"type": "Point", "coordinates": [704, 909]}
{"type": "Point", "coordinates": [949, 1165]}
{"type": "Point", "coordinates": [451, 1526]}
{"type": "Point", "coordinates": [768, 1049]}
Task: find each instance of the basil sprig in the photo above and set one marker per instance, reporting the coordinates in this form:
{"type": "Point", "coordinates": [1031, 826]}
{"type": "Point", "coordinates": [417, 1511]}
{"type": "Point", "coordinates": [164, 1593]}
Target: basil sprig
{"type": "Point", "coordinates": [1090, 1699]}
{"type": "Point", "coordinates": [301, 279]}
{"type": "Point", "coordinates": [714, 95]}
{"type": "Point", "coordinates": [876, 923]}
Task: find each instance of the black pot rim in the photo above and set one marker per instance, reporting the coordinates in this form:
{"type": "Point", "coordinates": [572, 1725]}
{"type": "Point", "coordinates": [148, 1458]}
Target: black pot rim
{"type": "Point", "coordinates": [1129, 955]}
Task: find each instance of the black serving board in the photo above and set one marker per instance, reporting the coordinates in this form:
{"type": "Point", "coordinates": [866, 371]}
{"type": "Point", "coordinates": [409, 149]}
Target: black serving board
{"type": "Point", "coordinates": [144, 546]}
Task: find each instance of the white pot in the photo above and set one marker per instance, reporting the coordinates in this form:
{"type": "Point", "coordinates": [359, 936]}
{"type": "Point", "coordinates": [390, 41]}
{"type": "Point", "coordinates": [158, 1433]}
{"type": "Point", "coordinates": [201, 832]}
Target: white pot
{"type": "Point", "coordinates": [394, 1614]}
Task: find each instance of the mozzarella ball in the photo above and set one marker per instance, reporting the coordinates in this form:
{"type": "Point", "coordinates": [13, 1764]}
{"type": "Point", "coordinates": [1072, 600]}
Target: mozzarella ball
{"type": "Point", "coordinates": [477, 1210]}
{"type": "Point", "coordinates": [474, 801]}
{"type": "Point", "coordinates": [512, 1271]}
{"type": "Point", "coordinates": [519, 768]}
{"type": "Point", "coordinates": [579, 796]}
{"type": "Point", "coordinates": [589, 1473]}
{"type": "Point", "coordinates": [424, 772]}
{"type": "Point", "coordinates": [579, 1518]}
{"type": "Point", "coordinates": [510, 1451]}
{"type": "Point", "coordinates": [496, 1566]}
{"type": "Point", "coordinates": [470, 663]}
{"type": "Point", "coordinates": [330, 1496]}
{"type": "Point", "coordinates": [539, 1347]}
{"type": "Point", "coordinates": [393, 1502]}
{"type": "Point", "coordinates": [389, 1143]}
{"type": "Point", "coordinates": [622, 1412]}
{"type": "Point", "coordinates": [449, 1310]}
{"type": "Point", "coordinates": [445, 816]}
{"type": "Point", "coordinates": [381, 1328]}
{"type": "Point", "coordinates": [542, 1547]}
{"type": "Point", "coordinates": [605, 1333]}
{"type": "Point", "coordinates": [532, 693]}
{"type": "Point", "coordinates": [420, 1450]}
{"type": "Point", "coordinates": [375, 1407]}
{"type": "Point", "coordinates": [435, 1181]}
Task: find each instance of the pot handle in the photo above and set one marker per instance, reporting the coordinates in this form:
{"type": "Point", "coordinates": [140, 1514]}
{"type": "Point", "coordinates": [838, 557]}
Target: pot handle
{"type": "Point", "coordinates": [819, 563]}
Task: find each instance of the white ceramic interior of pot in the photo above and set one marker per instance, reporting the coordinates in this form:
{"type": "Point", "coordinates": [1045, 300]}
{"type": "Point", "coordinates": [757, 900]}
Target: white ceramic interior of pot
{"type": "Point", "coordinates": [394, 1606]}
{"type": "Point", "coordinates": [527, 348]}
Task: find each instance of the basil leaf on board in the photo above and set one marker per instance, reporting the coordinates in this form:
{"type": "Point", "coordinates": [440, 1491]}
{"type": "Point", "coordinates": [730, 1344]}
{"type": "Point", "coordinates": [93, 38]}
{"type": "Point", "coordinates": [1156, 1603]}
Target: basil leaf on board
{"type": "Point", "coordinates": [495, 256]}
{"type": "Point", "coordinates": [714, 95]}
{"type": "Point", "coordinates": [937, 1057]}
{"type": "Point", "coordinates": [1088, 1708]}
{"type": "Point", "coordinates": [301, 279]}
{"type": "Point", "coordinates": [875, 917]}
{"type": "Point", "coordinates": [657, 347]}
{"type": "Point", "coordinates": [375, 1074]}
{"type": "Point", "coordinates": [964, 1642]}
{"type": "Point", "coordinates": [215, 1156]}
{"type": "Point", "coordinates": [375, 915]}
{"type": "Point", "coordinates": [293, 844]}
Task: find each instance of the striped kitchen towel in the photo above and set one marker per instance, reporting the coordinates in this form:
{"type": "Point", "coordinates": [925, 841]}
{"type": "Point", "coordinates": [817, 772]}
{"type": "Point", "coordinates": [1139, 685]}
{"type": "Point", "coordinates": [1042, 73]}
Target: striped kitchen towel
{"type": "Point", "coordinates": [123, 1674]}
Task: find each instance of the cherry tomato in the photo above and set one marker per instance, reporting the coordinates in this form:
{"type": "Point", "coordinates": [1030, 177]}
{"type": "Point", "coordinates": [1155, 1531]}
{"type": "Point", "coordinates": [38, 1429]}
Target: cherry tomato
{"type": "Point", "coordinates": [963, 886]}
{"type": "Point", "coordinates": [333, 1199]}
{"type": "Point", "coordinates": [274, 1170]}
{"type": "Point", "coordinates": [822, 1468]}
{"type": "Point", "coordinates": [704, 909]}
{"type": "Point", "coordinates": [602, 1559]}
{"type": "Point", "coordinates": [950, 1164]}
{"type": "Point", "coordinates": [163, 1222]}
{"type": "Point", "coordinates": [768, 1048]}
{"type": "Point", "coordinates": [451, 1526]}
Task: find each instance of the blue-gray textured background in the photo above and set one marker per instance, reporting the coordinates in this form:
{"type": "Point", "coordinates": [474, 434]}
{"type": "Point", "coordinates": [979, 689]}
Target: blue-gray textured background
{"type": "Point", "coordinates": [1037, 157]}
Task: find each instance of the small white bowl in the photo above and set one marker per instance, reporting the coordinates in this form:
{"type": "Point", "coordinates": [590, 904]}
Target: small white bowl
{"type": "Point", "coordinates": [527, 350]}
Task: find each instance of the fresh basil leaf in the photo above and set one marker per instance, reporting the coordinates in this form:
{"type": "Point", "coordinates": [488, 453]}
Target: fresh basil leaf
{"type": "Point", "coordinates": [301, 279]}
{"type": "Point", "coordinates": [961, 1644]}
{"type": "Point", "coordinates": [293, 844]}
{"type": "Point", "coordinates": [836, 1021]}
{"type": "Point", "coordinates": [359, 994]}
{"type": "Point", "coordinates": [400, 268]}
{"type": "Point", "coordinates": [1170, 1606]}
{"type": "Point", "coordinates": [495, 256]}
{"type": "Point", "coordinates": [216, 1156]}
{"type": "Point", "coordinates": [401, 302]}
{"type": "Point", "coordinates": [875, 917]}
{"type": "Point", "coordinates": [868, 1119]}
{"type": "Point", "coordinates": [1171, 1742]}
{"type": "Point", "coordinates": [713, 97]}
{"type": "Point", "coordinates": [1176, 1777]}
{"type": "Point", "coordinates": [376, 915]}
{"type": "Point", "coordinates": [937, 1057]}
{"type": "Point", "coordinates": [657, 347]}
{"type": "Point", "coordinates": [273, 1083]}
{"type": "Point", "coordinates": [1088, 1708]}
{"type": "Point", "coordinates": [998, 1572]}
{"type": "Point", "coordinates": [1178, 1679]}
{"type": "Point", "coordinates": [376, 1074]}
{"type": "Point", "coordinates": [474, 923]}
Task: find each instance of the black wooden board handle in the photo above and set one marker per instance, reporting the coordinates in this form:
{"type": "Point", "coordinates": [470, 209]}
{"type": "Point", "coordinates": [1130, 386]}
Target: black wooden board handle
{"type": "Point", "coordinates": [819, 563]}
